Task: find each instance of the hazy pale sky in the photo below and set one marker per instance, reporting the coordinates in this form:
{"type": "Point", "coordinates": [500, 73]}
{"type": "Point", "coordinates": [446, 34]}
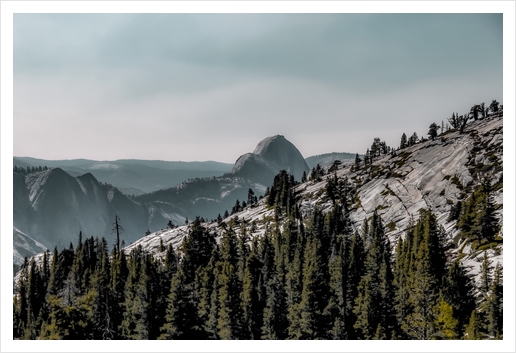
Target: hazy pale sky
{"type": "Point", "coordinates": [211, 86]}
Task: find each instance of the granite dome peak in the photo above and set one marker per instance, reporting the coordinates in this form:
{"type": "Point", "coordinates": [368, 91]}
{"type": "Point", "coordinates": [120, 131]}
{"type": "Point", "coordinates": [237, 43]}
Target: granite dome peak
{"type": "Point", "coordinates": [271, 155]}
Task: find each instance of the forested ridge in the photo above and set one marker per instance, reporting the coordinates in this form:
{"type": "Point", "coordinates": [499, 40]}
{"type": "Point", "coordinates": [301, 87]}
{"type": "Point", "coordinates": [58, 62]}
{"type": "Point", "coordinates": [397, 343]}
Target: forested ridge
{"type": "Point", "coordinates": [308, 276]}
{"type": "Point", "coordinates": [311, 278]}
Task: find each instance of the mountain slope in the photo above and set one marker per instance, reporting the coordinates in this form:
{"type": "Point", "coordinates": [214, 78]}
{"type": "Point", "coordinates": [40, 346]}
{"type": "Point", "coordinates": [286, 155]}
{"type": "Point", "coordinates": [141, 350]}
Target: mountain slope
{"type": "Point", "coordinates": [429, 175]}
{"type": "Point", "coordinates": [24, 246]}
{"type": "Point", "coordinates": [52, 207]}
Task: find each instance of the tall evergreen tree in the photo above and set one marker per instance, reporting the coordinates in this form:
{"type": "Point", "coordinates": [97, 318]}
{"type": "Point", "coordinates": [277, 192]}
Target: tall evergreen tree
{"type": "Point", "coordinates": [274, 315]}
{"type": "Point", "coordinates": [252, 310]}
{"type": "Point", "coordinates": [335, 311]}
{"type": "Point", "coordinates": [374, 303]}
{"type": "Point", "coordinates": [117, 229]}
{"type": "Point", "coordinates": [475, 329]}
{"type": "Point", "coordinates": [182, 317]}
{"type": "Point", "coordinates": [432, 132]}
{"type": "Point", "coordinates": [446, 323]}
{"type": "Point", "coordinates": [494, 305]}
{"type": "Point", "coordinates": [458, 292]}
{"type": "Point", "coordinates": [354, 274]}
{"type": "Point", "coordinates": [119, 273]}
{"type": "Point", "coordinates": [229, 305]}
{"type": "Point", "coordinates": [136, 322]}
{"type": "Point", "coordinates": [315, 289]}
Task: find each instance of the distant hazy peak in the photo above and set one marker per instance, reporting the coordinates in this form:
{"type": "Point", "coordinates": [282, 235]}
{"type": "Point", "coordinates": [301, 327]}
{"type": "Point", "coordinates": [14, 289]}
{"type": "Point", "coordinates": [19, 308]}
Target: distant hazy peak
{"type": "Point", "coordinates": [271, 155]}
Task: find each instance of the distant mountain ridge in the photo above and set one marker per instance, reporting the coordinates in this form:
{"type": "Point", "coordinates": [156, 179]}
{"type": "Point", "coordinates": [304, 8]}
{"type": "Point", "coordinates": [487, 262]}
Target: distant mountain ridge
{"type": "Point", "coordinates": [133, 176]}
{"type": "Point", "coordinates": [328, 158]}
{"type": "Point", "coordinates": [52, 207]}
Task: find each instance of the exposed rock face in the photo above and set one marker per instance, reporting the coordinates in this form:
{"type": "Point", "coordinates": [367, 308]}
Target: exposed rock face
{"type": "Point", "coordinates": [52, 207]}
{"type": "Point", "coordinates": [430, 175]}
{"type": "Point", "coordinates": [24, 246]}
{"type": "Point", "coordinates": [270, 156]}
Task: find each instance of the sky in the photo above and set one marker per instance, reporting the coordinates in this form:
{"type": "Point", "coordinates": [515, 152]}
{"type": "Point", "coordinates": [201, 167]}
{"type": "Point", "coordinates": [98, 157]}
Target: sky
{"type": "Point", "coordinates": [211, 86]}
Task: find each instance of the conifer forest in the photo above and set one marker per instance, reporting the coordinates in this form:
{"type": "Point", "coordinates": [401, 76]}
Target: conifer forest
{"type": "Point", "coordinates": [313, 278]}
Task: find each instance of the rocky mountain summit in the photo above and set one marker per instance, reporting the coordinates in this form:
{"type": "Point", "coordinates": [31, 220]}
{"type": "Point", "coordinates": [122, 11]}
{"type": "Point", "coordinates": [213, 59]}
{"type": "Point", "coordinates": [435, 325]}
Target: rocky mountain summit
{"type": "Point", "coordinates": [271, 155]}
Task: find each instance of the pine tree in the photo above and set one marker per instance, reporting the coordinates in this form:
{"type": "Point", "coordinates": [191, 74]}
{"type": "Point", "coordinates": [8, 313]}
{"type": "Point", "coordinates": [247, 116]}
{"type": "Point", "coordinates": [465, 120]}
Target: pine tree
{"type": "Point", "coordinates": [474, 331]}
{"type": "Point", "coordinates": [117, 229]}
{"type": "Point", "coordinates": [180, 314]}
{"type": "Point", "coordinates": [266, 287]}
{"type": "Point", "coordinates": [208, 309]}
{"type": "Point", "coordinates": [119, 273]}
{"type": "Point", "coordinates": [79, 266]}
{"type": "Point", "coordinates": [252, 312]}
{"type": "Point", "coordinates": [229, 323]}
{"type": "Point", "coordinates": [294, 283]}
{"type": "Point", "coordinates": [419, 270]}
{"type": "Point", "coordinates": [314, 293]}
{"type": "Point", "coordinates": [205, 287]}
{"type": "Point", "coordinates": [251, 199]}
{"type": "Point", "coordinates": [458, 292]}
{"type": "Point", "coordinates": [335, 311]}
{"type": "Point", "coordinates": [485, 222]}
{"type": "Point", "coordinates": [494, 305]}
{"type": "Point", "coordinates": [66, 321]}
{"type": "Point", "coordinates": [401, 278]}
{"type": "Point", "coordinates": [354, 274]}
{"type": "Point", "coordinates": [97, 301]}
{"type": "Point", "coordinates": [374, 302]}
{"type": "Point", "coordinates": [494, 106]}
{"type": "Point", "coordinates": [136, 322]}
{"type": "Point", "coordinates": [23, 305]}
{"type": "Point", "coordinates": [274, 315]}
{"type": "Point", "coordinates": [420, 323]}
{"type": "Point", "coordinates": [182, 317]}
{"type": "Point", "coordinates": [35, 296]}
{"type": "Point", "coordinates": [485, 276]}
{"type": "Point", "coordinates": [357, 162]}
{"type": "Point", "coordinates": [433, 131]}
{"type": "Point", "coordinates": [446, 323]}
